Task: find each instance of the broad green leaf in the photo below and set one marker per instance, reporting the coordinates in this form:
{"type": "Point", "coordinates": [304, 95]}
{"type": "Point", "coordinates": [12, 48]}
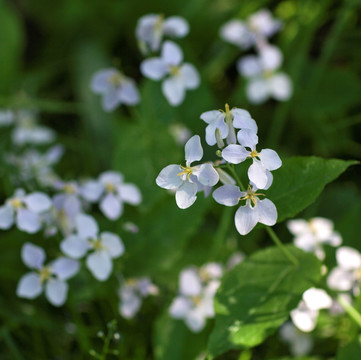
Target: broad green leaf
{"type": "Point", "coordinates": [174, 341]}
{"type": "Point", "coordinates": [300, 181]}
{"type": "Point", "coordinates": [256, 297]}
{"type": "Point", "coordinates": [351, 351]}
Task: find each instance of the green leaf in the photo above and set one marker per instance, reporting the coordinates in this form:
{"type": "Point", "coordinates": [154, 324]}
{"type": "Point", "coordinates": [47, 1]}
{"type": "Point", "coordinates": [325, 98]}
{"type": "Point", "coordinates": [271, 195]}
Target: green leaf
{"type": "Point", "coordinates": [174, 341]}
{"type": "Point", "coordinates": [256, 297]}
{"type": "Point", "coordinates": [301, 180]}
{"type": "Point", "coordinates": [351, 351]}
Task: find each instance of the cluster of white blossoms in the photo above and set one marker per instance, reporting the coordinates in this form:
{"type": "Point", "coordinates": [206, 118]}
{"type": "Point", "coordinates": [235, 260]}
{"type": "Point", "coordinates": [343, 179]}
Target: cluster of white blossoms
{"type": "Point", "coordinates": [264, 80]}
{"type": "Point", "coordinates": [177, 76]}
{"type": "Point", "coordinates": [187, 180]}
{"type": "Point", "coordinates": [194, 302]}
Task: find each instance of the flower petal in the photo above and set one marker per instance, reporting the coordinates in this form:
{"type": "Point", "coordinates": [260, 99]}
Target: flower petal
{"type": "Point", "coordinates": [340, 279]}
{"type": "Point", "coordinates": [249, 66]}
{"type": "Point", "coordinates": [86, 226]}
{"type": "Point", "coordinates": [28, 221]}
{"type": "Point", "coordinates": [186, 195]}
{"type": "Point", "coordinates": [100, 265]}
{"type": "Point", "coordinates": [245, 219]}
{"type": "Point", "coordinates": [193, 149]}
{"type": "Point", "coordinates": [175, 26]}
{"type": "Point", "coordinates": [33, 256]}
{"type": "Point", "coordinates": [130, 194]}
{"type": "Point", "coordinates": [168, 178]}
{"type": "Point", "coordinates": [267, 212]}
{"type": "Point", "coordinates": [304, 318]}
{"type": "Point", "coordinates": [180, 307]}
{"type": "Point", "coordinates": [6, 217]}
{"type": "Point", "coordinates": [257, 174]}
{"type": "Point", "coordinates": [154, 68]}
{"type": "Point", "coordinates": [92, 190]}
{"type": "Point", "coordinates": [111, 206]}
{"type": "Point", "coordinates": [207, 175]}
{"type": "Point", "coordinates": [112, 243]}
{"type": "Point", "coordinates": [112, 177]}
{"type": "Point", "coordinates": [130, 303]}
{"type": "Point", "coordinates": [228, 195]}
{"type": "Point", "coordinates": [257, 90]}
{"type": "Point", "coordinates": [236, 32]}
{"type": "Point", "coordinates": [171, 53]}
{"type": "Point", "coordinates": [235, 154]}
{"type": "Point", "coordinates": [242, 120]}
{"type": "Point", "coordinates": [270, 159]}
{"type": "Point", "coordinates": [348, 258]}
{"type": "Point", "coordinates": [189, 76]}
{"type": "Point", "coordinates": [74, 246]}
{"type": "Point", "coordinates": [174, 90]}
{"type": "Point", "coordinates": [38, 202]}
{"type": "Point", "coordinates": [247, 138]}
{"type": "Point", "coordinates": [128, 93]}
{"type": "Point", "coordinates": [317, 299]}
{"type": "Point", "coordinates": [190, 282]}
{"type": "Point", "coordinates": [100, 80]}
{"type": "Point", "coordinates": [280, 86]}
{"type": "Point", "coordinates": [211, 116]}
{"type": "Point", "coordinates": [65, 268]}
{"type": "Point", "coordinates": [270, 57]}
{"type": "Point", "coordinates": [195, 320]}
{"type": "Point", "coordinates": [56, 291]}
{"type": "Point", "coordinates": [29, 286]}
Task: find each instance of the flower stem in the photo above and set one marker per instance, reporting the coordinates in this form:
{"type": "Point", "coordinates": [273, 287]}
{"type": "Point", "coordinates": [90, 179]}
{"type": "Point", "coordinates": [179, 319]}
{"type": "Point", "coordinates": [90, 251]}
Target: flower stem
{"type": "Point", "coordinates": [351, 311]}
{"type": "Point", "coordinates": [234, 173]}
{"type": "Point", "coordinates": [278, 242]}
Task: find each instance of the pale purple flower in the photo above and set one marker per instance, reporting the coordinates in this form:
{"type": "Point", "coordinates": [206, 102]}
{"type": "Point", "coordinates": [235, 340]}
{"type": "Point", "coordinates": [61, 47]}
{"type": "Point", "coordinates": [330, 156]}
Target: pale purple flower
{"type": "Point", "coordinates": [50, 278]}
{"type": "Point", "coordinates": [112, 193]}
{"type": "Point", "coordinates": [254, 211]}
{"type": "Point", "coordinates": [152, 28]}
{"type": "Point", "coordinates": [7, 117]}
{"type": "Point", "coordinates": [104, 246]}
{"type": "Point", "coordinates": [24, 210]}
{"type": "Point", "coordinates": [300, 343]}
{"type": "Point", "coordinates": [179, 77]}
{"type": "Point", "coordinates": [115, 88]}
{"type": "Point", "coordinates": [184, 179]}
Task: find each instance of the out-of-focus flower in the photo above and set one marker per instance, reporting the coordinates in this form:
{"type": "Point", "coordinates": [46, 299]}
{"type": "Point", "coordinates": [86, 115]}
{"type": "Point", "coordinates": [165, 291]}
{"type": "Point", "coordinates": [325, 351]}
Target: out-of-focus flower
{"type": "Point", "coordinates": [104, 247]}
{"type": "Point", "coordinates": [197, 288]}
{"type": "Point", "coordinates": [112, 193]}
{"type": "Point", "coordinates": [51, 277]}
{"type": "Point", "coordinates": [183, 178]}
{"type": "Point", "coordinates": [152, 28]}
{"type": "Point", "coordinates": [305, 315]}
{"type": "Point", "coordinates": [115, 88]}
{"type": "Point", "coordinates": [300, 343]}
{"type": "Point", "coordinates": [346, 275]}
{"type": "Point", "coordinates": [311, 235]}
{"type": "Point", "coordinates": [7, 117]}
{"type": "Point", "coordinates": [179, 77]}
{"type": "Point", "coordinates": [235, 259]}
{"type": "Point", "coordinates": [24, 210]}
{"type": "Point", "coordinates": [132, 293]}
{"type": "Point", "coordinates": [254, 211]}
{"type": "Point", "coordinates": [180, 133]}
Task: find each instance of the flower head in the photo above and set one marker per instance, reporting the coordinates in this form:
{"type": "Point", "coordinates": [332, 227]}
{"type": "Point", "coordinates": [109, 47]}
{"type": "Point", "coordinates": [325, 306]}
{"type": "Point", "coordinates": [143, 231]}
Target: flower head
{"type": "Point", "coordinates": [179, 77]}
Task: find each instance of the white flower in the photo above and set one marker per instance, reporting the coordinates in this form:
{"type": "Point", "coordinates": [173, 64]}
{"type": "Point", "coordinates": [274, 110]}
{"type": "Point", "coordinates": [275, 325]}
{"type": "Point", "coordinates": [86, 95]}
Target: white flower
{"type": "Point", "coordinates": [105, 246]}
{"type": "Point", "coordinates": [237, 33]}
{"type": "Point", "coordinates": [183, 178]}
{"type": "Point", "coordinates": [112, 193]}
{"type": "Point", "coordinates": [152, 27]}
{"type": "Point", "coordinates": [305, 315]}
{"type": "Point", "coordinates": [300, 343]}
{"type": "Point", "coordinates": [264, 80]}
{"type": "Point", "coordinates": [263, 163]}
{"type": "Point", "coordinates": [25, 210]}
{"type": "Point", "coordinates": [197, 288]}
{"type": "Point", "coordinates": [235, 259]}
{"type": "Point", "coordinates": [52, 276]}
{"type": "Point", "coordinates": [27, 130]}
{"type": "Point", "coordinates": [115, 87]}
{"type": "Point", "coordinates": [254, 211]}
{"type": "Point", "coordinates": [7, 117]}
{"type": "Point", "coordinates": [180, 77]}
{"type": "Point", "coordinates": [225, 122]}
{"type": "Point", "coordinates": [180, 133]}
{"type": "Point", "coordinates": [346, 275]}
{"type": "Point", "coordinates": [263, 23]}
{"type": "Point", "coordinates": [132, 293]}
{"type": "Point", "coordinates": [311, 235]}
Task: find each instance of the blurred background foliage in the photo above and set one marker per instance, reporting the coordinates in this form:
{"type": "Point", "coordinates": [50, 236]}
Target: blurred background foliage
{"type": "Point", "coordinates": [48, 52]}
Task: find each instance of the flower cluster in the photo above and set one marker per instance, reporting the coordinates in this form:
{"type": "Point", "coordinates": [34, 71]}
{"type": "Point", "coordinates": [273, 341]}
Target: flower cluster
{"type": "Point", "coordinates": [188, 180]}
{"type": "Point", "coordinates": [177, 76]}
{"type": "Point", "coordinates": [264, 80]}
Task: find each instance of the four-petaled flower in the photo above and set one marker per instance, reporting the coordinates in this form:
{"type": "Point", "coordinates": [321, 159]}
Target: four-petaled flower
{"type": "Point", "coordinates": [179, 76]}
{"type": "Point", "coordinates": [104, 247]}
{"type": "Point", "coordinates": [25, 210]}
{"type": "Point", "coordinates": [152, 27]}
{"type": "Point", "coordinates": [248, 215]}
{"type": "Point", "coordinates": [184, 179]}
{"type": "Point", "coordinates": [115, 87]}
{"type": "Point", "coordinates": [51, 277]}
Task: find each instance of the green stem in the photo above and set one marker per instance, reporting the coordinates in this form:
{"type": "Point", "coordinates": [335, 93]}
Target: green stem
{"type": "Point", "coordinates": [239, 182]}
{"type": "Point", "coordinates": [278, 242]}
{"type": "Point", "coordinates": [351, 311]}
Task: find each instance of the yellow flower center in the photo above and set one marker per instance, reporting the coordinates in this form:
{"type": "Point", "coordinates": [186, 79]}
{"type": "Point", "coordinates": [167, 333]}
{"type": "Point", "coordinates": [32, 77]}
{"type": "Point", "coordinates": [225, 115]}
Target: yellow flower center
{"type": "Point", "coordinates": [159, 23]}
{"type": "Point", "coordinates": [97, 244]}
{"type": "Point", "coordinates": [131, 282]}
{"type": "Point", "coordinates": [267, 74]}
{"type": "Point", "coordinates": [45, 274]}
{"type": "Point", "coordinates": [251, 195]}
{"type": "Point", "coordinates": [254, 154]}
{"type": "Point", "coordinates": [115, 79]}
{"type": "Point", "coordinates": [109, 187]}
{"type": "Point", "coordinates": [16, 203]}
{"type": "Point", "coordinates": [196, 300]}
{"type": "Point", "coordinates": [174, 70]}
{"type": "Point", "coordinates": [69, 189]}
{"type": "Point", "coordinates": [187, 170]}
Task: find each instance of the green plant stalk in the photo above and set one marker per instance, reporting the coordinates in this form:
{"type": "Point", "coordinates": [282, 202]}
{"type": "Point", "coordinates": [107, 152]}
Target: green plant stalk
{"type": "Point", "coordinates": [350, 310]}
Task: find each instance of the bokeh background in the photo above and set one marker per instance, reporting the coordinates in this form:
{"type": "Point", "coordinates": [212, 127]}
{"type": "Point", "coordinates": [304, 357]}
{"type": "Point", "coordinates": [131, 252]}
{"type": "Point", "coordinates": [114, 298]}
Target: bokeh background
{"type": "Point", "coordinates": [49, 51]}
